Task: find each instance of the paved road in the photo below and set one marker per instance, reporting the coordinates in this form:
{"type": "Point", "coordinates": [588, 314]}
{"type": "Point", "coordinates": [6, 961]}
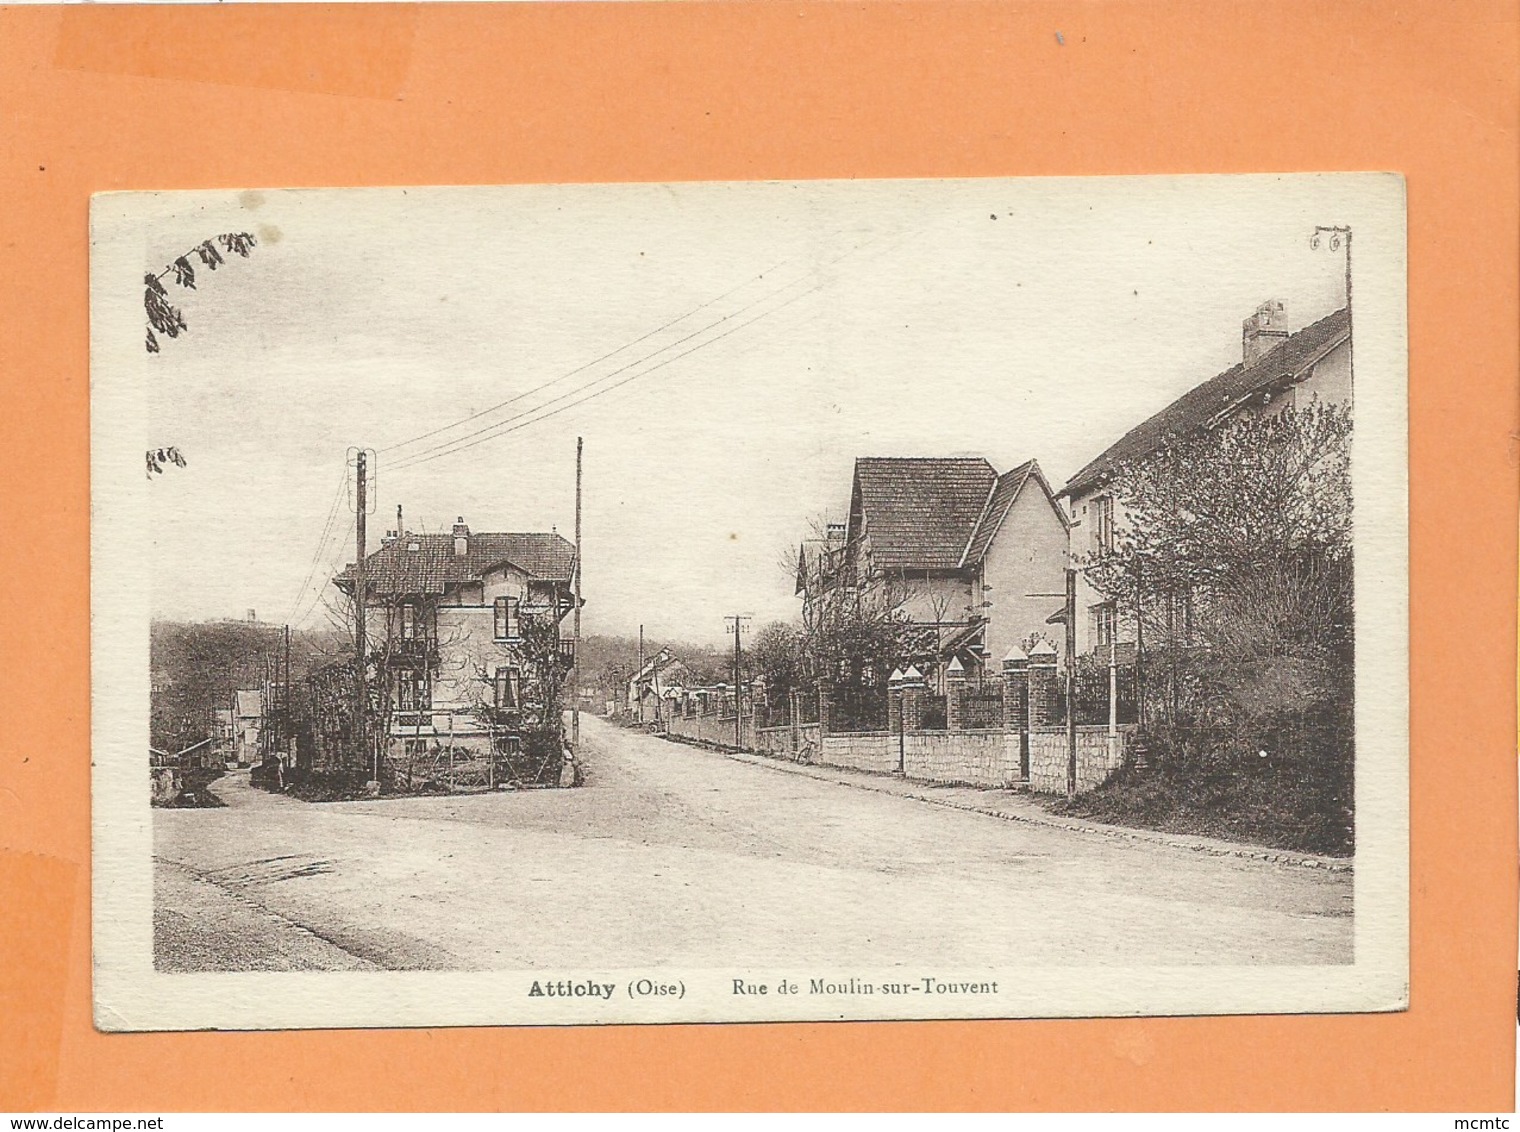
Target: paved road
{"type": "Point", "coordinates": [678, 856]}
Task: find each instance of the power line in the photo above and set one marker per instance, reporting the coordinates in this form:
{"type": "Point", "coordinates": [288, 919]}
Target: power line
{"type": "Point", "coordinates": [499, 431]}
{"type": "Point", "coordinates": [332, 511]}
{"type": "Point", "coordinates": [587, 365]}
{"type": "Point", "coordinates": [414, 457]}
{"type": "Point", "coordinates": [331, 562]}
{"type": "Point", "coordinates": [321, 549]}
{"type": "Point", "coordinates": [527, 417]}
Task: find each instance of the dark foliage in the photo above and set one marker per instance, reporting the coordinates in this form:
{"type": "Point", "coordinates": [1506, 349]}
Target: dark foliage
{"type": "Point", "coordinates": [196, 666]}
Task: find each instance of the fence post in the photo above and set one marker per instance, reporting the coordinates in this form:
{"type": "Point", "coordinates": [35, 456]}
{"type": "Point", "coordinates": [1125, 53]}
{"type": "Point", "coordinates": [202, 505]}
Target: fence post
{"type": "Point", "coordinates": [1016, 689]}
{"type": "Point", "coordinates": [1042, 685]}
{"type": "Point", "coordinates": [913, 708]}
{"type": "Point", "coordinates": [823, 709]}
{"type": "Point", "coordinates": [955, 695]}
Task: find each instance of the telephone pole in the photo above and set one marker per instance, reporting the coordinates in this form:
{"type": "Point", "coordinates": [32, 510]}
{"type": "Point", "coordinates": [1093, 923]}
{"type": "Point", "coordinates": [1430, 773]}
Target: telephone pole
{"type": "Point", "coordinates": [361, 704]}
{"type": "Point", "coordinates": [1071, 682]}
{"type": "Point", "coordinates": [1069, 613]}
{"type": "Point", "coordinates": [286, 706]}
{"type": "Point", "coordinates": [575, 657]}
{"type": "Point", "coordinates": [738, 619]}
{"type": "Point", "coordinates": [1337, 233]}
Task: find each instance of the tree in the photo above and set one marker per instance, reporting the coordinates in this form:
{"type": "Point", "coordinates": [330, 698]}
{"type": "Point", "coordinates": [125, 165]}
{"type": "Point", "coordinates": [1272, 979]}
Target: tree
{"type": "Point", "coordinates": [776, 657]}
{"type": "Point", "coordinates": [854, 633]}
{"type": "Point", "coordinates": [167, 319]}
{"type": "Point", "coordinates": [1214, 507]}
{"type": "Point", "coordinates": [1235, 556]}
{"type": "Point", "coordinates": [163, 316]}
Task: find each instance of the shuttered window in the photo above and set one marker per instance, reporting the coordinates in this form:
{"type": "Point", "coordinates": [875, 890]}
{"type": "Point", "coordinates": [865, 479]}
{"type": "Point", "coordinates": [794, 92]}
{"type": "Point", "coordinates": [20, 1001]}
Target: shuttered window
{"type": "Point", "coordinates": [507, 619]}
{"type": "Point", "coordinates": [507, 688]}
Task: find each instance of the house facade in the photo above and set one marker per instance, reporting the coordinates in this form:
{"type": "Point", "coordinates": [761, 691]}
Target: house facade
{"type": "Point", "coordinates": [648, 689]}
{"type": "Point", "coordinates": [224, 734]}
{"type": "Point", "coordinates": [463, 630]}
{"type": "Point", "coordinates": [1278, 369]}
{"type": "Point", "coordinates": [248, 725]}
{"type": "Point", "coordinates": [968, 555]}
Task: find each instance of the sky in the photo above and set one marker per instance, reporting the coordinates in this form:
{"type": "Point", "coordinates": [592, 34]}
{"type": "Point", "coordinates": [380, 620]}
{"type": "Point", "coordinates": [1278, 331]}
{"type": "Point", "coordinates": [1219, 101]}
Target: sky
{"type": "Point", "coordinates": [726, 351]}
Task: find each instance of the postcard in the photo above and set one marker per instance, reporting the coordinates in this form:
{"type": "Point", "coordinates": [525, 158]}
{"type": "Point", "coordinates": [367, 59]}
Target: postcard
{"type": "Point", "coordinates": [741, 602]}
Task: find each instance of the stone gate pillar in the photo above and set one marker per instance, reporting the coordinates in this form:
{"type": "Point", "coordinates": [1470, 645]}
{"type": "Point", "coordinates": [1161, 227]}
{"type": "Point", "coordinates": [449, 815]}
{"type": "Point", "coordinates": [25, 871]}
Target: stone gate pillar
{"type": "Point", "coordinates": [1016, 690]}
{"type": "Point", "coordinates": [913, 709]}
{"type": "Point", "coordinates": [1042, 685]}
{"type": "Point", "coordinates": [955, 696]}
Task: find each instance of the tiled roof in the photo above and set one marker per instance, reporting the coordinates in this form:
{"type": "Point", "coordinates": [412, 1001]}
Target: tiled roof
{"type": "Point", "coordinates": [818, 561]}
{"type": "Point", "coordinates": [920, 512]}
{"type": "Point", "coordinates": [1199, 407]}
{"type": "Point", "coordinates": [433, 566]}
{"type": "Point", "coordinates": [1009, 484]}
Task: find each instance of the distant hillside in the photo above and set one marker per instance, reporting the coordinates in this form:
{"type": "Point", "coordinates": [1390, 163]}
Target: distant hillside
{"type": "Point", "coordinates": [196, 666]}
{"type": "Point", "coordinates": [608, 662]}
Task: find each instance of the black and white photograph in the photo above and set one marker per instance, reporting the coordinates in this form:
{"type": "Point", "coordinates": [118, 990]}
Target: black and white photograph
{"type": "Point", "coordinates": [734, 602]}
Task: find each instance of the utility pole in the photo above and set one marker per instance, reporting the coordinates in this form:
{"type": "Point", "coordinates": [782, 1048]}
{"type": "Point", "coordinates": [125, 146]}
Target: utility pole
{"type": "Point", "coordinates": [1071, 682]}
{"type": "Point", "coordinates": [1069, 612]}
{"type": "Point", "coordinates": [638, 673]}
{"type": "Point", "coordinates": [1336, 232]}
{"type": "Point", "coordinates": [575, 657]}
{"type": "Point", "coordinates": [738, 619]}
{"type": "Point", "coordinates": [287, 706]}
{"type": "Point", "coordinates": [361, 505]}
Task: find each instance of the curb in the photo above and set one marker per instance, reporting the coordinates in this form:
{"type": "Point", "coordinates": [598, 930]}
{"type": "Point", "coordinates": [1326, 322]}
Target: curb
{"type": "Point", "coordinates": [1208, 846]}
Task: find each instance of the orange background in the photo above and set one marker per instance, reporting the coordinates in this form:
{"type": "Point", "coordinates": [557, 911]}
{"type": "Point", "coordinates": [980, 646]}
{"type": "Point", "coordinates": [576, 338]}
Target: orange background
{"type": "Point", "coordinates": [96, 98]}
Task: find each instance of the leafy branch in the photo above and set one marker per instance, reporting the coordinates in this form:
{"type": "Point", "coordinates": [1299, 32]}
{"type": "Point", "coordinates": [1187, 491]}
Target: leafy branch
{"type": "Point", "coordinates": [160, 458]}
{"type": "Point", "coordinates": [163, 316]}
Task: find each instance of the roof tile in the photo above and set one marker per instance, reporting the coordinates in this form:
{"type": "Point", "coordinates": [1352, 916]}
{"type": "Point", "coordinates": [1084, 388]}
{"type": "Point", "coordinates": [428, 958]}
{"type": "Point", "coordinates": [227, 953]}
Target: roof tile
{"type": "Point", "coordinates": [1200, 405]}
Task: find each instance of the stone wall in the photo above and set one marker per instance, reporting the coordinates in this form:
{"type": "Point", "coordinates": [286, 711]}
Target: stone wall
{"type": "Point", "coordinates": [987, 758]}
{"type": "Point", "coordinates": [1098, 756]}
{"type": "Point", "coordinates": [875, 751]}
{"type": "Point", "coordinates": [165, 785]}
{"type": "Point", "coordinates": [712, 728]}
{"type": "Point", "coordinates": [784, 741]}
{"type": "Point", "coordinates": [964, 758]}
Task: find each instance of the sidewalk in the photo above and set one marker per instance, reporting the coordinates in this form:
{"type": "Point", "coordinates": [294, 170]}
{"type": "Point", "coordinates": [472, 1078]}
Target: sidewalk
{"type": "Point", "coordinates": [1018, 807]}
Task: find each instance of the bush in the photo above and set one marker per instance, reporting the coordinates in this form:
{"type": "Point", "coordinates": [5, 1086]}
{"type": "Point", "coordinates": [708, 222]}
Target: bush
{"type": "Point", "coordinates": [1285, 788]}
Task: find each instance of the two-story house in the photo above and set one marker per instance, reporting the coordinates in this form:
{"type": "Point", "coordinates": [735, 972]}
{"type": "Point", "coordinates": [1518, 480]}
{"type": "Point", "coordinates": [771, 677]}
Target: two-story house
{"type": "Point", "coordinates": [1278, 369]}
{"type": "Point", "coordinates": [968, 555]}
{"type": "Point", "coordinates": [646, 691]}
{"type": "Point", "coordinates": [247, 725]}
{"type": "Point", "coordinates": [463, 629]}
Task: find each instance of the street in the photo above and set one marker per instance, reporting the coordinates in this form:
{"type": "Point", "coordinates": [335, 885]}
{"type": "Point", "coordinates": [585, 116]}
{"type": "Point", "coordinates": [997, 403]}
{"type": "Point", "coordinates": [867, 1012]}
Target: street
{"type": "Point", "coordinates": [673, 855]}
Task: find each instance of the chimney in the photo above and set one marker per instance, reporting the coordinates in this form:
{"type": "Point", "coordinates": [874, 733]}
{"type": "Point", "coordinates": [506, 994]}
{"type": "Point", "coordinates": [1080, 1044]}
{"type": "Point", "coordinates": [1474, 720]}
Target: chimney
{"type": "Point", "coordinates": [1262, 331]}
{"type": "Point", "coordinates": [390, 537]}
{"type": "Point", "coordinates": [834, 532]}
{"type": "Point", "coordinates": [461, 537]}
{"type": "Point", "coordinates": [252, 616]}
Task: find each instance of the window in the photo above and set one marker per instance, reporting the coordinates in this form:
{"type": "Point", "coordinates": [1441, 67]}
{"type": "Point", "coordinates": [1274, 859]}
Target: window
{"type": "Point", "coordinates": [1103, 524]}
{"type": "Point", "coordinates": [508, 689]}
{"type": "Point", "coordinates": [1107, 623]}
{"type": "Point", "coordinates": [408, 621]}
{"type": "Point", "coordinates": [411, 691]}
{"type": "Point", "coordinates": [506, 619]}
